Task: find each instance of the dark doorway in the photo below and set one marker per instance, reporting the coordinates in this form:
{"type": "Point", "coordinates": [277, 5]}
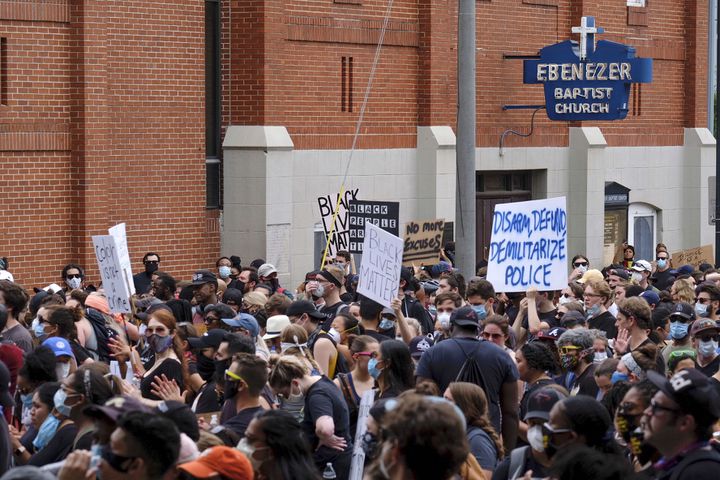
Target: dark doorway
{"type": "Point", "coordinates": [493, 188]}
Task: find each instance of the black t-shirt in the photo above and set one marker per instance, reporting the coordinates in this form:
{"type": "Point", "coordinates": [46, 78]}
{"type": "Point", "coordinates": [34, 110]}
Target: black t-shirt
{"type": "Point", "coordinates": [711, 368]}
{"type": "Point", "coordinates": [171, 368]}
{"type": "Point", "coordinates": [582, 385]}
{"type": "Point", "coordinates": [325, 398]}
{"type": "Point", "coordinates": [547, 317]}
{"type": "Point", "coordinates": [79, 352]}
{"type": "Point", "coordinates": [662, 280]}
{"type": "Point", "coordinates": [208, 401]}
{"type": "Point", "coordinates": [605, 322]}
{"type": "Point", "coordinates": [57, 448]}
{"type": "Point", "coordinates": [441, 363]}
{"type": "Point", "coordinates": [142, 282]}
{"type": "Point", "coordinates": [411, 308]}
{"type": "Point", "coordinates": [241, 420]}
{"type": "Point", "coordinates": [377, 336]}
{"type": "Point", "coordinates": [502, 472]}
{"type": "Point", "coordinates": [330, 311]}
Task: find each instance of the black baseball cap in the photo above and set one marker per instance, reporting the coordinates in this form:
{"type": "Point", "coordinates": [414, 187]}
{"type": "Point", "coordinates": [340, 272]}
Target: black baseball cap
{"type": "Point", "coordinates": [541, 402]}
{"type": "Point", "coordinates": [298, 307]}
{"type": "Point", "coordinates": [201, 277]}
{"type": "Point", "coordinates": [210, 339]}
{"type": "Point", "coordinates": [684, 310]}
{"type": "Point", "coordinates": [464, 317]}
{"type": "Point", "coordinates": [420, 345]}
{"type": "Point", "coordinates": [115, 407]}
{"type": "Point", "coordinates": [692, 391]}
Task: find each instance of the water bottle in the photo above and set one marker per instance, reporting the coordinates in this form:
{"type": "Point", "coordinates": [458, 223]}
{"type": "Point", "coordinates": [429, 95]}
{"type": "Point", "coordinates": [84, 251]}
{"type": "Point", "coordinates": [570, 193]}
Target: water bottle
{"type": "Point", "coordinates": [329, 472]}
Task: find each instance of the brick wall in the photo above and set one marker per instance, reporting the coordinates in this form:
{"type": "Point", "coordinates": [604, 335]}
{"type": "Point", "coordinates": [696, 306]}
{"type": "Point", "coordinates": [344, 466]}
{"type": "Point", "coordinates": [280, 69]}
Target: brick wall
{"type": "Point", "coordinates": [298, 82]}
{"type": "Point", "coordinates": [103, 123]}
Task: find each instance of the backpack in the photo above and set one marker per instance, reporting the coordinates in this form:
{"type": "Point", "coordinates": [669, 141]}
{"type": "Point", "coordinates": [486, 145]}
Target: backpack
{"type": "Point", "coordinates": [697, 456]}
{"type": "Point", "coordinates": [517, 462]}
{"type": "Point", "coordinates": [471, 372]}
{"type": "Point", "coordinates": [103, 333]}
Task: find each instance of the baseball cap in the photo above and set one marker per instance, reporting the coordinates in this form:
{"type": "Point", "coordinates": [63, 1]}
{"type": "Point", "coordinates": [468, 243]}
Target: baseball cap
{"type": "Point", "coordinates": [210, 339]}
{"type": "Point", "coordinates": [541, 402]}
{"type": "Point", "coordinates": [572, 318]}
{"type": "Point", "coordinates": [59, 346]}
{"type": "Point", "coordinates": [275, 326]}
{"type": "Point", "coordinates": [430, 286]}
{"type": "Point", "coordinates": [685, 270]}
{"type": "Point", "coordinates": [220, 460]}
{"type": "Point", "coordinates": [420, 345]}
{"type": "Point", "coordinates": [115, 407]}
{"type": "Point", "coordinates": [5, 275]}
{"type": "Point", "coordinates": [703, 325]}
{"type": "Point", "coordinates": [641, 266]}
{"type": "Point", "coordinates": [6, 399]}
{"type": "Point", "coordinates": [298, 307]}
{"type": "Point", "coordinates": [255, 298]}
{"type": "Point", "coordinates": [246, 321]}
{"type": "Point", "coordinates": [552, 334]}
{"type": "Point", "coordinates": [692, 391]}
{"type": "Point", "coordinates": [201, 277]}
{"type": "Point", "coordinates": [266, 269]}
{"type": "Point", "coordinates": [684, 310]}
{"type": "Point", "coordinates": [592, 275]}
{"type": "Point", "coordinates": [464, 317]}
{"type": "Point", "coordinates": [619, 272]}
{"type": "Point", "coordinates": [181, 415]}
{"type": "Point", "coordinates": [650, 297]}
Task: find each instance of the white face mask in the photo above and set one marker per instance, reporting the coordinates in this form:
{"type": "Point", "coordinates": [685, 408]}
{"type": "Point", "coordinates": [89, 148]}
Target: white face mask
{"type": "Point", "coordinates": [335, 335]}
{"type": "Point", "coordinates": [637, 277]}
{"type": "Point", "coordinates": [73, 283]}
{"type": "Point", "coordinates": [582, 268]}
{"type": "Point", "coordinates": [564, 299]}
{"type": "Point", "coordinates": [444, 319]}
{"type": "Point", "coordinates": [62, 370]}
{"type": "Point", "coordinates": [535, 438]}
{"type": "Point", "coordinates": [600, 357]}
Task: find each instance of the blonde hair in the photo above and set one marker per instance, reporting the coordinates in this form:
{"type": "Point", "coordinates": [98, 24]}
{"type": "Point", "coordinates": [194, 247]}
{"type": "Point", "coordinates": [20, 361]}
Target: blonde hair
{"type": "Point", "coordinates": [684, 291]}
{"type": "Point", "coordinates": [285, 369]}
{"type": "Point", "coordinates": [297, 335]}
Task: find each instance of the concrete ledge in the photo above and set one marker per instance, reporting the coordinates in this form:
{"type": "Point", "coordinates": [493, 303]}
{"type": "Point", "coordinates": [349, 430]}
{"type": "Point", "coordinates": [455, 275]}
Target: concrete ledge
{"type": "Point", "coordinates": [699, 137]}
{"type": "Point", "coordinates": [442, 137]}
{"type": "Point", "coordinates": [253, 137]}
{"type": "Point", "coordinates": [589, 137]}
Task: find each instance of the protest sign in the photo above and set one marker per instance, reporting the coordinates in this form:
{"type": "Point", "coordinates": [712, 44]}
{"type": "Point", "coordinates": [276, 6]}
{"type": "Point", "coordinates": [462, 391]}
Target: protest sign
{"type": "Point", "coordinates": [381, 214]}
{"type": "Point", "coordinates": [118, 231]}
{"type": "Point", "coordinates": [423, 240]}
{"type": "Point", "coordinates": [113, 281]}
{"type": "Point", "coordinates": [528, 246]}
{"type": "Point", "coordinates": [380, 267]}
{"type": "Point", "coordinates": [340, 238]}
{"type": "Point", "coordinates": [693, 256]}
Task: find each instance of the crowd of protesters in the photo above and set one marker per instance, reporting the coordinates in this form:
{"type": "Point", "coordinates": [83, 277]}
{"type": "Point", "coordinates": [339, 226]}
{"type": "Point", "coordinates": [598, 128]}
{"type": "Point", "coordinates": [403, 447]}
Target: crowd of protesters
{"type": "Point", "coordinates": [228, 375]}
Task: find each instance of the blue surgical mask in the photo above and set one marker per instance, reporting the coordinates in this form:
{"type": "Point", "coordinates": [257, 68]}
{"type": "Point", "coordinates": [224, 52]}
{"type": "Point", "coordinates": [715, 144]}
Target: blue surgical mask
{"type": "Point", "coordinates": [661, 264]}
{"type": "Point", "coordinates": [707, 349]}
{"type": "Point", "coordinates": [433, 310]}
{"type": "Point", "coordinates": [224, 272]}
{"type": "Point", "coordinates": [59, 401]}
{"type": "Point", "coordinates": [26, 400]}
{"type": "Point", "coordinates": [46, 432]}
{"type": "Point", "coordinates": [593, 311]}
{"type": "Point", "coordinates": [39, 330]}
{"type": "Point", "coordinates": [619, 377]}
{"type": "Point", "coordinates": [386, 324]}
{"type": "Point", "coordinates": [480, 311]}
{"type": "Point", "coordinates": [678, 330]}
{"type": "Point", "coordinates": [372, 368]}
{"type": "Point", "coordinates": [701, 309]}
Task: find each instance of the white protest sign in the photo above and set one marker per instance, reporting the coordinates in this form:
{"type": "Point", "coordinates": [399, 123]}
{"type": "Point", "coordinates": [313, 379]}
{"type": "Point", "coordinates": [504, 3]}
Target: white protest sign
{"type": "Point", "coordinates": [113, 281]}
{"type": "Point", "coordinates": [381, 263]}
{"type": "Point", "coordinates": [118, 231]}
{"type": "Point", "coordinates": [528, 247]}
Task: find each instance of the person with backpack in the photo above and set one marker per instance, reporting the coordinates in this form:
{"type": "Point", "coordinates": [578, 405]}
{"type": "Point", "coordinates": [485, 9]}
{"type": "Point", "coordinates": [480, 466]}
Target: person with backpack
{"type": "Point", "coordinates": [679, 423]}
{"type": "Point", "coordinates": [464, 358]}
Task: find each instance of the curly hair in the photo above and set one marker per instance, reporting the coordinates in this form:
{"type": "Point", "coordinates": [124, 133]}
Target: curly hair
{"type": "Point", "coordinates": [472, 401]}
{"type": "Point", "coordinates": [539, 357]}
{"type": "Point", "coordinates": [588, 418]}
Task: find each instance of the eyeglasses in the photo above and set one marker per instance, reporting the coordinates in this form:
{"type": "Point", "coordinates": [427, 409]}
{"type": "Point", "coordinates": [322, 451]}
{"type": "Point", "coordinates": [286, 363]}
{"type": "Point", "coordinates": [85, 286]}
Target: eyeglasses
{"type": "Point", "coordinates": [366, 354]}
{"type": "Point", "coordinates": [654, 407]}
{"type": "Point", "coordinates": [73, 275]}
{"type": "Point", "coordinates": [661, 258]}
{"type": "Point", "coordinates": [151, 262]}
{"type": "Point", "coordinates": [488, 335]}
{"type": "Point", "coordinates": [708, 338]}
{"type": "Point", "coordinates": [702, 300]}
{"type": "Point", "coordinates": [114, 460]}
{"type": "Point", "coordinates": [233, 376]}
{"type": "Point", "coordinates": [568, 349]}
{"type": "Point", "coordinates": [580, 264]}
{"type": "Point", "coordinates": [626, 407]}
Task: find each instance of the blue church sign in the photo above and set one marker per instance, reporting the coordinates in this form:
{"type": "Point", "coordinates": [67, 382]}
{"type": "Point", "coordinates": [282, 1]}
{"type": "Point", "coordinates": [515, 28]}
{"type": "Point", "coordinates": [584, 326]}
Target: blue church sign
{"type": "Point", "coordinates": [584, 81]}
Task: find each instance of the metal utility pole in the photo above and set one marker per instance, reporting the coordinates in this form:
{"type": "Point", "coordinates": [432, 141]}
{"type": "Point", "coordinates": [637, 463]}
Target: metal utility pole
{"type": "Point", "coordinates": [717, 150]}
{"type": "Point", "coordinates": [465, 230]}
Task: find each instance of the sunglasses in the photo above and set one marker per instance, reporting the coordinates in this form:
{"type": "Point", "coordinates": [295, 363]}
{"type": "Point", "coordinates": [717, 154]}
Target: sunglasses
{"type": "Point", "coordinates": [568, 349]}
{"type": "Point", "coordinates": [708, 338]}
{"type": "Point", "coordinates": [232, 376]}
{"type": "Point", "coordinates": [151, 262]}
{"type": "Point", "coordinates": [117, 462]}
{"type": "Point", "coordinates": [654, 407]}
{"type": "Point", "coordinates": [73, 275]}
{"type": "Point", "coordinates": [581, 264]}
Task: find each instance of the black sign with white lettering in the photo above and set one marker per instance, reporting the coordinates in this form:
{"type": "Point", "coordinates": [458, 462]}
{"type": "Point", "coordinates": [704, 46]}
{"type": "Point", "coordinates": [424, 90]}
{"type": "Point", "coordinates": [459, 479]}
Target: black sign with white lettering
{"type": "Point", "coordinates": [382, 214]}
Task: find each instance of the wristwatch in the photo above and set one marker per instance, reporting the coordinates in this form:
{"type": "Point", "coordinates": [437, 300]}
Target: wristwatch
{"type": "Point", "coordinates": [20, 450]}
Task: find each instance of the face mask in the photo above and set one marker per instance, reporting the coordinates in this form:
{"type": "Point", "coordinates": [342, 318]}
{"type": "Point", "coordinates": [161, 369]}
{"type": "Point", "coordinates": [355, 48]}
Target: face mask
{"type": "Point", "coordinates": [701, 310]}
{"type": "Point", "coordinates": [62, 370]}
{"type": "Point", "coordinates": [662, 264]}
{"type": "Point", "coordinates": [159, 344]}
{"type": "Point", "coordinates": [568, 362]}
{"type": "Point", "coordinates": [26, 400]}
{"type": "Point", "coordinates": [373, 368]}
{"type": "Point", "coordinates": [231, 389]}
{"type": "Point", "coordinates": [248, 450]}
{"type": "Point", "coordinates": [480, 311]}
{"type": "Point", "coordinates": [73, 283]}
{"type": "Point", "coordinates": [335, 335]}
{"type": "Point", "coordinates": [284, 346]}
{"type": "Point", "coordinates": [535, 438]}
{"type": "Point", "coordinates": [319, 292]}
{"type": "Point", "coordinates": [593, 311]}
{"type": "Point", "coordinates": [224, 272]}
{"type": "Point", "coordinates": [220, 367]}
{"type": "Point", "coordinates": [637, 277]}
{"type": "Point", "coordinates": [549, 447]}
{"type": "Point", "coordinates": [678, 330]}
{"type": "Point", "coordinates": [151, 267]}
{"type": "Point", "coordinates": [39, 330]}
{"type": "Point", "coordinates": [240, 285]}
{"type": "Point", "coordinates": [46, 432]}
{"type": "Point", "coordinates": [59, 401]}
{"type": "Point", "coordinates": [707, 349]}
{"type": "Point", "coordinates": [625, 424]}
{"type": "Point", "coordinates": [444, 319]}
{"type": "Point", "coordinates": [205, 367]}
{"type": "Point", "coordinates": [600, 357]}
{"type": "Point", "coordinates": [386, 324]}
{"type": "Point", "coordinates": [369, 444]}
{"type": "Point", "coordinates": [582, 268]}
{"type": "Point", "coordinates": [433, 310]}
{"type": "Point", "coordinates": [564, 299]}
{"type": "Point", "coordinates": [619, 377]}
{"type": "Point", "coordinates": [642, 451]}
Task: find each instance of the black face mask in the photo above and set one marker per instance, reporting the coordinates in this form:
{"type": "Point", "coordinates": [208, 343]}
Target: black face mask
{"type": "Point", "coordinates": [205, 366]}
{"type": "Point", "coordinates": [642, 451]}
{"type": "Point", "coordinates": [240, 285]}
{"type": "Point", "coordinates": [151, 268]}
{"type": "Point", "coordinates": [220, 367]}
{"type": "Point", "coordinates": [626, 424]}
{"type": "Point", "coordinates": [369, 445]}
{"type": "Point", "coordinates": [231, 389]}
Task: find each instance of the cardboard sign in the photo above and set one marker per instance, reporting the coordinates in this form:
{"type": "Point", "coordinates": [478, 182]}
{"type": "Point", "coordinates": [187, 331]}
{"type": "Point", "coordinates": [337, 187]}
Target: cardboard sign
{"type": "Point", "coordinates": [118, 231]}
{"type": "Point", "coordinates": [340, 238]}
{"type": "Point", "coordinates": [693, 256]}
{"type": "Point", "coordinates": [116, 288]}
{"type": "Point", "coordinates": [380, 267]}
{"type": "Point", "coordinates": [528, 246]}
{"type": "Point", "coordinates": [423, 241]}
{"type": "Point", "coordinates": [381, 214]}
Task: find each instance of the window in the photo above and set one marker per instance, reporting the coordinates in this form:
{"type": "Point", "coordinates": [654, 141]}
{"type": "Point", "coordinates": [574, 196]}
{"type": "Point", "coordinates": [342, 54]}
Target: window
{"type": "Point", "coordinates": [642, 230]}
{"type": "Point", "coordinates": [346, 84]}
{"type": "Point", "coordinates": [213, 144]}
{"type": "Point", "coordinates": [3, 72]}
